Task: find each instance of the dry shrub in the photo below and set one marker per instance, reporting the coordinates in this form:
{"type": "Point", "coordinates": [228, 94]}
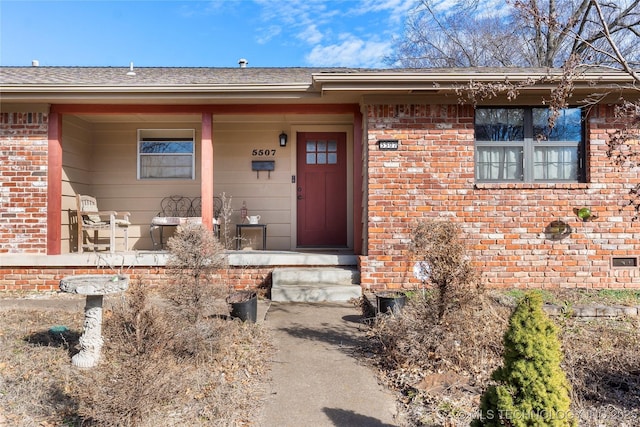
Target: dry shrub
{"type": "Point", "coordinates": [602, 363]}
{"type": "Point", "coordinates": [433, 362]}
{"type": "Point", "coordinates": [195, 256]}
{"type": "Point", "coordinates": [35, 367]}
{"type": "Point", "coordinates": [442, 255]}
{"type": "Point", "coordinates": [161, 368]}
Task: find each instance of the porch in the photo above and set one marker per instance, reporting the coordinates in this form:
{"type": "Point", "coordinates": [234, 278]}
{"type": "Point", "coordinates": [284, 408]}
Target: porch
{"type": "Point", "coordinates": [119, 156]}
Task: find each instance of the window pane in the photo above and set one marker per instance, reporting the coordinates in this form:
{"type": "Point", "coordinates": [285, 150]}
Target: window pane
{"type": "Point", "coordinates": [555, 163]}
{"type": "Point", "coordinates": [333, 158]}
{"type": "Point", "coordinates": [568, 126]}
{"type": "Point", "coordinates": [322, 158]}
{"type": "Point", "coordinates": [333, 146]}
{"type": "Point", "coordinates": [166, 147]}
{"type": "Point", "coordinates": [499, 163]}
{"type": "Point", "coordinates": [322, 145]}
{"type": "Point", "coordinates": [311, 146]}
{"type": "Point", "coordinates": [174, 166]}
{"type": "Point", "coordinates": [311, 158]}
{"type": "Point", "coordinates": [499, 124]}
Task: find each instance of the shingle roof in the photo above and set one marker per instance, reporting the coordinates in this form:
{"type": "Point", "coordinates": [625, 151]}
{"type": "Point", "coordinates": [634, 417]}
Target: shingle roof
{"type": "Point", "coordinates": [34, 80]}
{"type": "Point", "coordinates": [177, 76]}
{"type": "Point", "coordinates": [159, 76]}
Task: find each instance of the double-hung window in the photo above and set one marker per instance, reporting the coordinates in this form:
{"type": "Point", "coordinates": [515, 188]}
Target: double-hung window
{"type": "Point", "coordinates": [166, 154]}
{"type": "Point", "coordinates": [517, 145]}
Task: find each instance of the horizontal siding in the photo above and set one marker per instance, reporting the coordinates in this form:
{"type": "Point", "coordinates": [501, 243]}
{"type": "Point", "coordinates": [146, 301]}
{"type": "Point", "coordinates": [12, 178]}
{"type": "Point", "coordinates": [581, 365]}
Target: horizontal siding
{"type": "Point", "coordinates": [101, 159]}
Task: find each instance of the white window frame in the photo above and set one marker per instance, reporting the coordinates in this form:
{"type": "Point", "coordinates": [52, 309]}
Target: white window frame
{"type": "Point", "coordinates": [527, 150]}
{"type": "Point", "coordinates": [166, 136]}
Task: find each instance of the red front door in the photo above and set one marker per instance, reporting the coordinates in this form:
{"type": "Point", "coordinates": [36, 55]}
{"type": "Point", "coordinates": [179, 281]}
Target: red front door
{"type": "Point", "coordinates": [322, 189]}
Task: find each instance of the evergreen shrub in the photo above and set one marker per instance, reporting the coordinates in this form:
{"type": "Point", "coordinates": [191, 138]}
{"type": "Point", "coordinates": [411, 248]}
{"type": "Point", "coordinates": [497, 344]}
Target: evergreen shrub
{"type": "Point", "coordinates": [532, 389]}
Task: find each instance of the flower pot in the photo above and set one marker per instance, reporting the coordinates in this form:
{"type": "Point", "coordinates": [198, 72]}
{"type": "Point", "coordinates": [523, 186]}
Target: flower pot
{"type": "Point", "coordinates": [243, 305]}
{"type": "Point", "coordinates": [392, 301]}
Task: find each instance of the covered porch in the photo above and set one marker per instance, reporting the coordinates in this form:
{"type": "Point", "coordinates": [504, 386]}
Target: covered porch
{"type": "Point", "coordinates": [95, 149]}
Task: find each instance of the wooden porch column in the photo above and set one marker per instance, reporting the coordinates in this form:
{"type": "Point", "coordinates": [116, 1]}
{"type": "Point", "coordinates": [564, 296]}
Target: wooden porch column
{"type": "Point", "coordinates": [54, 185]}
{"type": "Point", "coordinates": [357, 182]}
{"type": "Point", "coordinates": [206, 167]}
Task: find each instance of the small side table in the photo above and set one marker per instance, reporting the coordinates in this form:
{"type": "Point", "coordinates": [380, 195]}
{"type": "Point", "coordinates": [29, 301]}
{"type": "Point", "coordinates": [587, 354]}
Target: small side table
{"type": "Point", "coordinates": [239, 228]}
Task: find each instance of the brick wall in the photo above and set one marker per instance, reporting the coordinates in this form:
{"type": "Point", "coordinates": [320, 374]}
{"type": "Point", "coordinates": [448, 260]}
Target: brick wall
{"type": "Point", "coordinates": [26, 279]}
{"type": "Point", "coordinates": [431, 175]}
{"type": "Point", "coordinates": [23, 182]}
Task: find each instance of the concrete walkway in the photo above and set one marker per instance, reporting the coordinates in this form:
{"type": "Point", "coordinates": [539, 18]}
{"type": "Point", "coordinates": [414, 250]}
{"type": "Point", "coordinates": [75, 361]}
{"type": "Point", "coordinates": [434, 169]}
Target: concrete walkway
{"type": "Point", "coordinates": [316, 378]}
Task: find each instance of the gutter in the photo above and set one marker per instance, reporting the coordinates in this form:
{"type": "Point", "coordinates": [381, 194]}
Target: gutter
{"type": "Point", "coordinates": [443, 81]}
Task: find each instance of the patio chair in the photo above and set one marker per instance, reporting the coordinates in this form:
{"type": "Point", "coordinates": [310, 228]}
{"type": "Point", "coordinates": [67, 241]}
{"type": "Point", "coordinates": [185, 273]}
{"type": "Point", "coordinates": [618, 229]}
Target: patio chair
{"type": "Point", "coordinates": [92, 219]}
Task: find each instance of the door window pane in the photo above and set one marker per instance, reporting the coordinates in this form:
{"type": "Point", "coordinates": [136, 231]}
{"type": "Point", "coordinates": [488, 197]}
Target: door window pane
{"type": "Point", "coordinates": [322, 152]}
{"type": "Point", "coordinates": [311, 158]}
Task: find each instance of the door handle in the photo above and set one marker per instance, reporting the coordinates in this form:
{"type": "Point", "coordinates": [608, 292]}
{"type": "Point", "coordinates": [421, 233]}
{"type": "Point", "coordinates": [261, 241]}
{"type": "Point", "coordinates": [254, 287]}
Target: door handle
{"type": "Point", "coordinates": [300, 197]}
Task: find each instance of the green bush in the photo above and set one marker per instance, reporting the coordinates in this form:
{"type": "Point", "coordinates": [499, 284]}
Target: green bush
{"type": "Point", "coordinates": [532, 389]}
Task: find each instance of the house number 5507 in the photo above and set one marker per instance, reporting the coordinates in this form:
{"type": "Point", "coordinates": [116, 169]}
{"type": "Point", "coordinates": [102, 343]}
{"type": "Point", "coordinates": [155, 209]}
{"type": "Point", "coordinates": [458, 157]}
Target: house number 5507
{"type": "Point", "coordinates": [257, 152]}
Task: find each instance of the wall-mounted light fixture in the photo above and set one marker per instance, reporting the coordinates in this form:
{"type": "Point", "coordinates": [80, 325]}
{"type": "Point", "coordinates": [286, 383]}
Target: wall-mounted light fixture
{"type": "Point", "coordinates": [283, 139]}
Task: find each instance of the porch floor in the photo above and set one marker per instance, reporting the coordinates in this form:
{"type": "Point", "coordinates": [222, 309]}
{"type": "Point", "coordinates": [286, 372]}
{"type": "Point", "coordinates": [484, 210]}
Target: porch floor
{"type": "Point", "coordinates": [159, 259]}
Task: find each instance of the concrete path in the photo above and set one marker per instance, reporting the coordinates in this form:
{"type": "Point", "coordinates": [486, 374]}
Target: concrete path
{"type": "Point", "coordinates": [316, 378]}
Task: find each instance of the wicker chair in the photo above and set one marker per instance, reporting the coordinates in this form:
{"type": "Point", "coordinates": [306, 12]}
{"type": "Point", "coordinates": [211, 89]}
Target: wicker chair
{"type": "Point", "coordinates": [92, 219]}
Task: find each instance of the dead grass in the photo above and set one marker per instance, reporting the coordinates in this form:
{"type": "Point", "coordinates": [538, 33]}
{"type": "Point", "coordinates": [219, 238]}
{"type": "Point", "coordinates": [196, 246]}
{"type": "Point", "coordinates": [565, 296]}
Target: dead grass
{"type": "Point", "coordinates": [156, 370]}
{"type": "Point", "coordinates": [440, 368]}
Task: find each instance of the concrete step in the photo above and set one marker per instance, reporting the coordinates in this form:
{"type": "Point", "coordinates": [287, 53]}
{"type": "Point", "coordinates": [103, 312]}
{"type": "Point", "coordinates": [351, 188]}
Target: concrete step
{"type": "Point", "coordinates": [315, 284]}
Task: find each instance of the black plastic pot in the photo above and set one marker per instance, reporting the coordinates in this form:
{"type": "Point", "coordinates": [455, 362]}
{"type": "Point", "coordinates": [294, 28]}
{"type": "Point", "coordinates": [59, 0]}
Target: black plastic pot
{"type": "Point", "coordinates": [390, 301]}
{"type": "Point", "coordinates": [244, 305]}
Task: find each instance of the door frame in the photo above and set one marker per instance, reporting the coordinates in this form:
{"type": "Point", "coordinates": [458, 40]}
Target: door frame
{"type": "Point", "coordinates": [293, 137]}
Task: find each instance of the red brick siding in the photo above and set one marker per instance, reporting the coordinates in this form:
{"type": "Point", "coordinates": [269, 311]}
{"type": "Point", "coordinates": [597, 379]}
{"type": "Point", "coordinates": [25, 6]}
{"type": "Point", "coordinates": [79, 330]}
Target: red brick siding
{"type": "Point", "coordinates": [432, 176]}
{"type": "Point", "coordinates": [23, 182]}
{"type": "Point", "coordinates": [48, 279]}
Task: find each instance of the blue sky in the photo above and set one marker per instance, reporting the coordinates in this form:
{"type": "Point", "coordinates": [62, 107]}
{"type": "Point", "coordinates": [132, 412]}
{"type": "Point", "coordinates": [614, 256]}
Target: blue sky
{"type": "Point", "coordinates": [194, 33]}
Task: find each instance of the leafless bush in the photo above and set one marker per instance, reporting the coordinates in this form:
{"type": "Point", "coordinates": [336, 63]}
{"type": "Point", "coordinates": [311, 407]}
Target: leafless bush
{"type": "Point", "coordinates": [602, 363]}
{"type": "Point", "coordinates": [439, 367]}
{"type": "Point", "coordinates": [159, 368]}
{"type": "Point", "coordinates": [468, 342]}
{"type": "Point", "coordinates": [227, 213]}
{"type": "Point", "coordinates": [195, 255]}
{"type": "Point", "coordinates": [440, 252]}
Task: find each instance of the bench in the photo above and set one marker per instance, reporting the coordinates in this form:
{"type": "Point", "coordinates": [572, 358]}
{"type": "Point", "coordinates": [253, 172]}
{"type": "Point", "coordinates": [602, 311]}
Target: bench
{"type": "Point", "coordinates": [177, 210]}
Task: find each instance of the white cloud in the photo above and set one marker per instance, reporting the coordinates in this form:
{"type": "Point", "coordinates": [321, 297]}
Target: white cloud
{"type": "Point", "coordinates": [311, 34]}
{"type": "Point", "coordinates": [350, 52]}
{"type": "Point", "coordinates": [335, 32]}
{"type": "Point", "coordinates": [397, 9]}
{"type": "Point", "coordinates": [266, 34]}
